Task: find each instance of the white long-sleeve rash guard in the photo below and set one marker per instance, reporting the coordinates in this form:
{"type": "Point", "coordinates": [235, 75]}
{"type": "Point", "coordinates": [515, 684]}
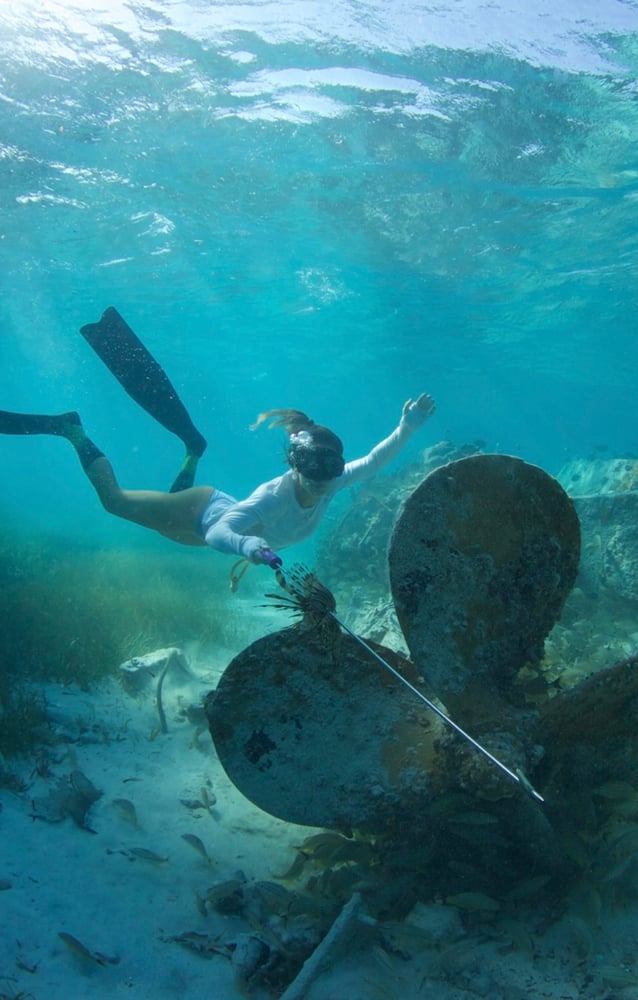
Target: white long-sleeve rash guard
{"type": "Point", "coordinates": [271, 517]}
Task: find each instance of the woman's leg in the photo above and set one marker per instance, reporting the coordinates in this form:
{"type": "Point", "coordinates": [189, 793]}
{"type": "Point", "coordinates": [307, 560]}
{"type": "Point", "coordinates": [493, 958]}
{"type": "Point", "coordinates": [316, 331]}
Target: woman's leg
{"type": "Point", "coordinates": [174, 515]}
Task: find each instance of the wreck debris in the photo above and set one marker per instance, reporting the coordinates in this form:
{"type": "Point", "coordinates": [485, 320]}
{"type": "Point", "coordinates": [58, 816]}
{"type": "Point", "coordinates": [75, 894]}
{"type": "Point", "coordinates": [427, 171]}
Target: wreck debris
{"type": "Point", "coordinates": [324, 739]}
{"type": "Point", "coordinates": [137, 673]}
{"type": "Point", "coordinates": [352, 928]}
{"type": "Point", "coordinates": [73, 796]}
{"type": "Point", "coordinates": [481, 560]}
{"type": "Point", "coordinates": [480, 574]}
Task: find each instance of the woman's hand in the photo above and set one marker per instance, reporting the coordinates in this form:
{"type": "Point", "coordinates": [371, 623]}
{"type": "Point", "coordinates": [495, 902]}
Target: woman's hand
{"type": "Point", "coordinates": [424, 402]}
{"type": "Point", "coordinates": [267, 556]}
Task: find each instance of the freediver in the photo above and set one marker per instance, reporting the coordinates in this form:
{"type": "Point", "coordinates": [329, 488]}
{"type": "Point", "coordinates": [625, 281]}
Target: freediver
{"type": "Point", "coordinates": [278, 513]}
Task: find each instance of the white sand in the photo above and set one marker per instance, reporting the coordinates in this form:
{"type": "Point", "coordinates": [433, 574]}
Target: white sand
{"type": "Point", "coordinates": [64, 878]}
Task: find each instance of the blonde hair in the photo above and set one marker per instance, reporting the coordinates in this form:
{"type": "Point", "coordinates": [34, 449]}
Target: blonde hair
{"type": "Point", "coordinates": [292, 421]}
{"type": "Point", "coordinates": [320, 455]}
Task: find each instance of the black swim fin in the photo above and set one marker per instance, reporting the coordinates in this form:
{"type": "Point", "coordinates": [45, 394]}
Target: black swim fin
{"type": "Point", "coordinates": [37, 423]}
{"type": "Point", "coordinates": [67, 425]}
{"type": "Point", "coordinates": [142, 377]}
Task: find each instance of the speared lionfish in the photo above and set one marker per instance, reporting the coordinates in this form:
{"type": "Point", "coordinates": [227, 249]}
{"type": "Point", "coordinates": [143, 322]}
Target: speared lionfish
{"type": "Point", "coordinates": [306, 596]}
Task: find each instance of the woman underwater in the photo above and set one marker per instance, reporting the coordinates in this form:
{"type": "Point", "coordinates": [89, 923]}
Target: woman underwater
{"type": "Point", "coordinates": [277, 514]}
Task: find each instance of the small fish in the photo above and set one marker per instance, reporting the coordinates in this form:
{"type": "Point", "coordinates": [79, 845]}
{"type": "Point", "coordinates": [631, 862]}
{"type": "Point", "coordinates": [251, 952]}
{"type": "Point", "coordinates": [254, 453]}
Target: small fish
{"type": "Point", "coordinates": [336, 882]}
{"type": "Point", "coordinates": [195, 842]}
{"type": "Point", "coordinates": [226, 897]}
{"type": "Point", "coordinates": [192, 803]}
{"type": "Point", "coordinates": [208, 798]}
{"type": "Point", "coordinates": [456, 956]}
{"type": "Point", "coordinates": [616, 790]}
{"type": "Point", "coordinates": [625, 835]}
{"type": "Point", "coordinates": [628, 808]}
{"type": "Point", "coordinates": [320, 841]}
{"type": "Point", "coordinates": [520, 937]}
{"type": "Point", "coordinates": [83, 952]}
{"type": "Point", "coordinates": [382, 959]}
{"type": "Point", "coordinates": [404, 939]}
{"type": "Point", "coordinates": [231, 885]}
{"type": "Point", "coordinates": [275, 898]}
{"type": "Point", "coordinates": [146, 855]}
{"type": "Point", "coordinates": [203, 944]}
{"type": "Point", "coordinates": [361, 851]}
{"type": "Point", "coordinates": [617, 976]}
{"type": "Point", "coordinates": [528, 888]}
{"type": "Point", "coordinates": [127, 809]}
{"type": "Point", "coordinates": [619, 870]}
{"type": "Point", "coordinates": [195, 743]}
{"type": "Point", "coordinates": [326, 848]}
{"type": "Point", "coordinates": [296, 867]}
{"type": "Point", "coordinates": [473, 902]}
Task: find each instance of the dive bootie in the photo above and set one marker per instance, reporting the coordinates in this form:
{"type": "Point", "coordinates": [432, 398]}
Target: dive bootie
{"type": "Point", "coordinates": [142, 377]}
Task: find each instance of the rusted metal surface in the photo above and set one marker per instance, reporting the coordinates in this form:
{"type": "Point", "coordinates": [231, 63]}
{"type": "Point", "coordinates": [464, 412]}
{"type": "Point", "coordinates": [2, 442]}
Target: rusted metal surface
{"type": "Point", "coordinates": [313, 730]}
{"type": "Point", "coordinates": [482, 558]}
{"type": "Point", "coordinates": [317, 733]}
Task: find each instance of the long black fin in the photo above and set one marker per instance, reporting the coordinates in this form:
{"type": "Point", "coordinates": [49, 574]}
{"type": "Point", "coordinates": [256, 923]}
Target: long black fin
{"type": "Point", "coordinates": [142, 377]}
{"type": "Point", "coordinates": [37, 423]}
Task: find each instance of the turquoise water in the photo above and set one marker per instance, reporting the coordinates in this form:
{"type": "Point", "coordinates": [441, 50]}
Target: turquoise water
{"type": "Point", "coordinates": [328, 206]}
{"type": "Point", "coordinates": [325, 205]}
